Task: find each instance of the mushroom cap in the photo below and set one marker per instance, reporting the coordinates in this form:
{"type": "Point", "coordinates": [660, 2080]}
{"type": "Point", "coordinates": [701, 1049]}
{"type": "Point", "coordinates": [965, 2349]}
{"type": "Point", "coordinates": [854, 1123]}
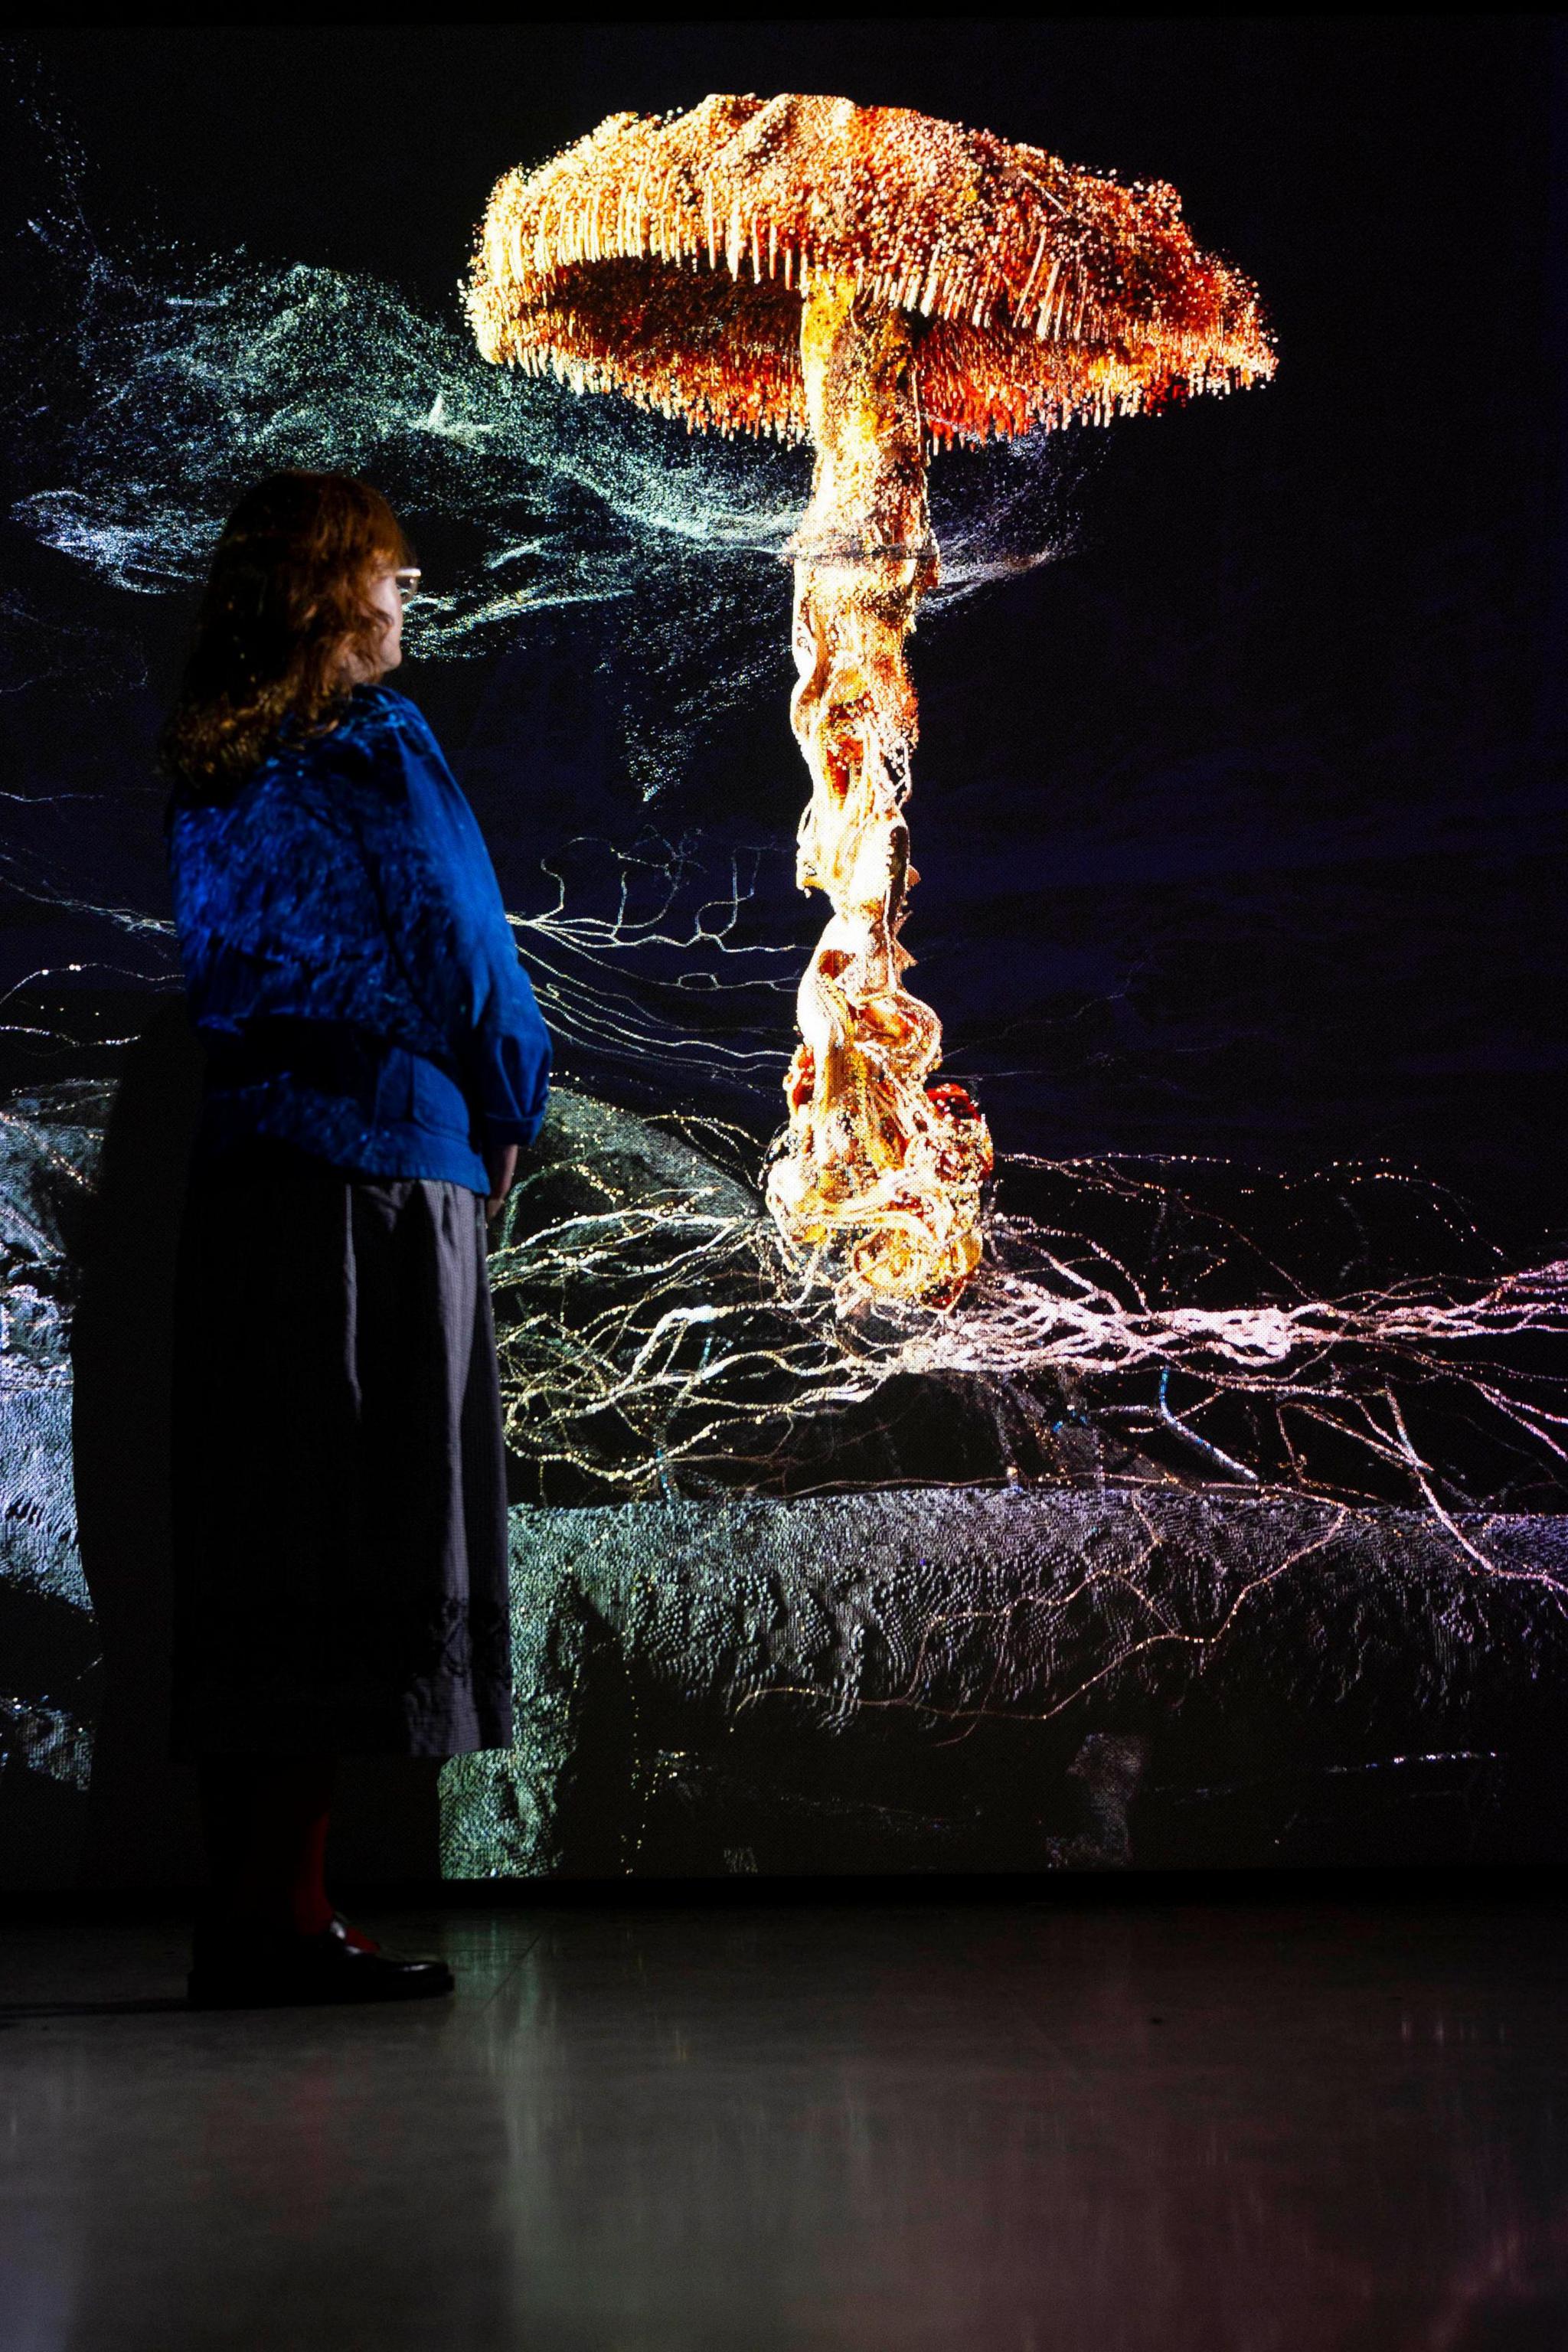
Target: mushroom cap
{"type": "Point", "coordinates": [665, 257]}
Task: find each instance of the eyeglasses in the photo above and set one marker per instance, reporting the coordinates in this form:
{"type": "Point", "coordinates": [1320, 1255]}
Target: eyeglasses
{"type": "Point", "coordinates": [406, 583]}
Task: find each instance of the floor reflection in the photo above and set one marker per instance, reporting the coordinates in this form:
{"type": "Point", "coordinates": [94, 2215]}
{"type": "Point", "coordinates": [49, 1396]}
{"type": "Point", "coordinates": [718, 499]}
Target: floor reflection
{"type": "Point", "coordinates": [1102, 2128]}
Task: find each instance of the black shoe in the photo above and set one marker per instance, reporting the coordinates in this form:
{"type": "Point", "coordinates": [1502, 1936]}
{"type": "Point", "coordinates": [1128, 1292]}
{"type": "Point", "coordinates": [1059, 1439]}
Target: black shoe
{"type": "Point", "coordinates": [233, 1967]}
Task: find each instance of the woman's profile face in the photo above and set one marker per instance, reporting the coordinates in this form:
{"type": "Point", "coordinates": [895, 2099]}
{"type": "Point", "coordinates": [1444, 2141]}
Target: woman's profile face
{"type": "Point", "coordinates": [385, 599]}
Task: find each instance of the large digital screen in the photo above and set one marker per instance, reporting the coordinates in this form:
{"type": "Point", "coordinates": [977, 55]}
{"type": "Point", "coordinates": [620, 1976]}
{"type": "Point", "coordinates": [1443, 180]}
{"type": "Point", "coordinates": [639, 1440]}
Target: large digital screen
{"type": "Point", "coordinates": [1177, 1479]}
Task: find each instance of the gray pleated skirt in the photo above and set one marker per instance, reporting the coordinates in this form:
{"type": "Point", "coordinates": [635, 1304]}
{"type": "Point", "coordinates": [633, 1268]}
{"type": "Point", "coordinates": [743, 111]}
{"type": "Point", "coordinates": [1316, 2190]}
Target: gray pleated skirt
{"type": "Point", "coordinates": [340, 1490]}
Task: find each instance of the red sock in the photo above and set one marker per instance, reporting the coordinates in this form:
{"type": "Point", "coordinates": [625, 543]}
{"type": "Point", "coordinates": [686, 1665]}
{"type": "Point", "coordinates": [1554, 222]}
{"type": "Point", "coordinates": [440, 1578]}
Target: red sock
{"type": "Point", "coordinates": [265, 1820]}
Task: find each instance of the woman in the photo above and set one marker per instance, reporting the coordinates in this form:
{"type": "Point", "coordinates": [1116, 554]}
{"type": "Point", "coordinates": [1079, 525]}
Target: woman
{"type": "Point", "coordinates": [375, 1060]}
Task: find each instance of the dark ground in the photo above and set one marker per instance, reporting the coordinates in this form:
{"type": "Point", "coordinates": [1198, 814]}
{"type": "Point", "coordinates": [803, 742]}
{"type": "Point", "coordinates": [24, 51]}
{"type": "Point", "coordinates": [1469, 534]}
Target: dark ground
{"type": "Point", "coordinates": [1284, 2125]}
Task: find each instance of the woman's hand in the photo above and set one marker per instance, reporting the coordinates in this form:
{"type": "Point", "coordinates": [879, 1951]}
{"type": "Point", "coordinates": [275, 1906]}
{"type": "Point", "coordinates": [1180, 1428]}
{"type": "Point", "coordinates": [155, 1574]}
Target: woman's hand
{"type": "Point", "coordinates": [500, 1166]}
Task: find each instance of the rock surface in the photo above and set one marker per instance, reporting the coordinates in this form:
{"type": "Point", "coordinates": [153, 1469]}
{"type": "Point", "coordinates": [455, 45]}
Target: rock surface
{"type": "Point", "coordinates": [50, 1142]}
{"type": "Point", "coordinates": [968, 1679]}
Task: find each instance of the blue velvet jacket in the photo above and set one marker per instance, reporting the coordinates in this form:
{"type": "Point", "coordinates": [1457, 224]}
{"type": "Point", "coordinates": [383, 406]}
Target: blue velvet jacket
{"type": "Point", "coordinates": [349, 961]}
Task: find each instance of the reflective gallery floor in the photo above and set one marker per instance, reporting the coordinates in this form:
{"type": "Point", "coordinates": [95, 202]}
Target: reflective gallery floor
{"type": "Point", "coordinates": [1077, 2125]}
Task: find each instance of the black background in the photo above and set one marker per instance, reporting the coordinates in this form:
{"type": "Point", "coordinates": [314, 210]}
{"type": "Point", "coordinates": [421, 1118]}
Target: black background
{"type": "Point", "coordinates": [1240, 826]}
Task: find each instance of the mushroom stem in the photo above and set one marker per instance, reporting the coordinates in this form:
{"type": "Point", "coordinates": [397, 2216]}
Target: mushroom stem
{"type": "Point", "coordinates": [877, 1173]}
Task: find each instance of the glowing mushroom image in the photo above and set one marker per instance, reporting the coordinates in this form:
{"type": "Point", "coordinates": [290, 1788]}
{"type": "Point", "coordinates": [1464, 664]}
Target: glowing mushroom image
{"type": "Point", "coordinates": [881, 284]}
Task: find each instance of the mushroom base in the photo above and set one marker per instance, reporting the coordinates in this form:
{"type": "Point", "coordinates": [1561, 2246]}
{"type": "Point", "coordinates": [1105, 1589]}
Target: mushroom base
{"type": "Point", "coordinates": [879, 1174]}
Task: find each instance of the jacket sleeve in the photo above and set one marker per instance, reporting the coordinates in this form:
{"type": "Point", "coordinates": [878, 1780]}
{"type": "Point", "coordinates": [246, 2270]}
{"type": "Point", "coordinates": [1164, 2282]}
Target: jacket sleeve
{"type": "Point", "coordinates": [446, 918]}
{"type": "Point", "coordinates": [507, 1073]}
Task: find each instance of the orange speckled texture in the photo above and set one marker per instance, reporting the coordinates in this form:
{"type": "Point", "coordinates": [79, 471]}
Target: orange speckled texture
{"type": "Point", "coordinates": [665, 260]}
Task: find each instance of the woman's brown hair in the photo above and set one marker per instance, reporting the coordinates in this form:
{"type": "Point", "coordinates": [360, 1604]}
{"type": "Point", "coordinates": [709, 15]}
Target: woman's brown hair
{"type": "Point", "coordinates": [285, 600]}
